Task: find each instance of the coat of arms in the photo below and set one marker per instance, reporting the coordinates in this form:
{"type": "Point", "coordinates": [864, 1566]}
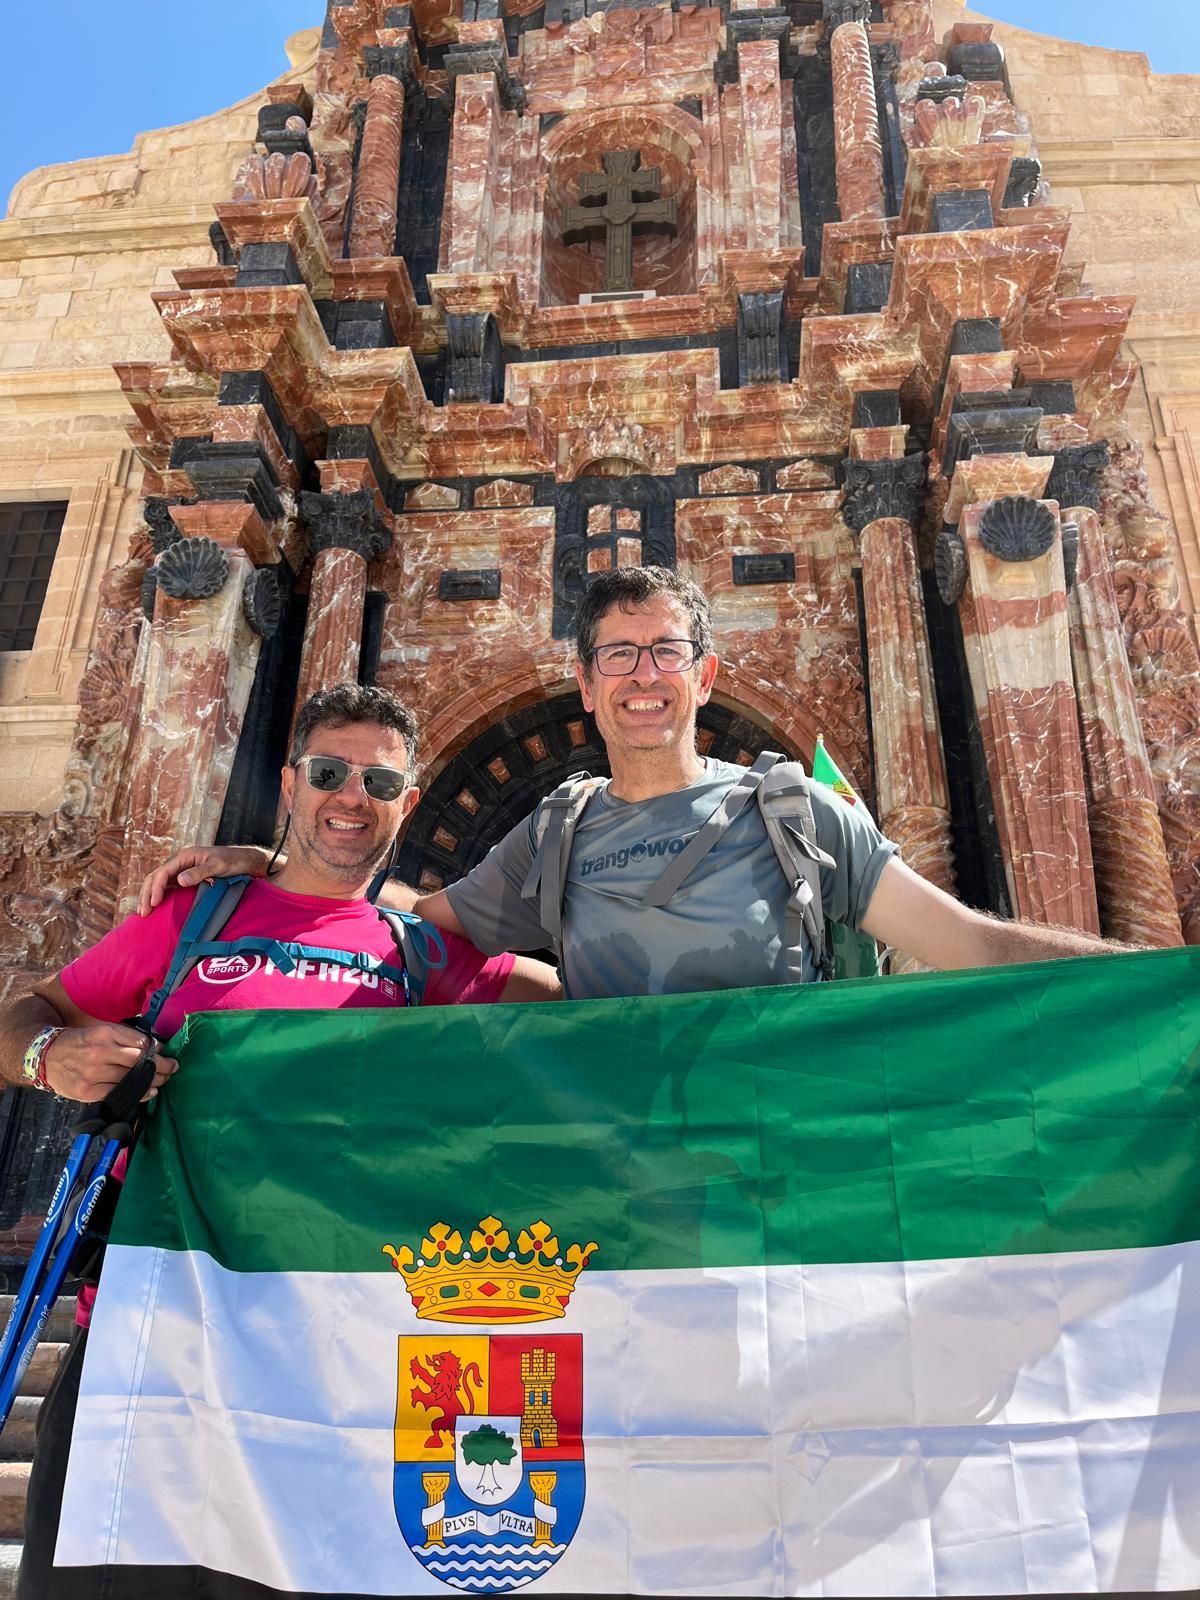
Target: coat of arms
{"type": "Point", "coordinates": [489, 1478]}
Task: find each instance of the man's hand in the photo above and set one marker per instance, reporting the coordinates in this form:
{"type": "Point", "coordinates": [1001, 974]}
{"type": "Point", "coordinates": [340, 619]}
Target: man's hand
{"type": "Point", "coordinates": [85, 1063]}
{"type": "Point", "coordinates": [187, 867]}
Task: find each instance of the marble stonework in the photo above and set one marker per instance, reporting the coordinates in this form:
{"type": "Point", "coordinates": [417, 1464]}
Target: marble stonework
{"type": "Point", "coordinates": [391, 393]}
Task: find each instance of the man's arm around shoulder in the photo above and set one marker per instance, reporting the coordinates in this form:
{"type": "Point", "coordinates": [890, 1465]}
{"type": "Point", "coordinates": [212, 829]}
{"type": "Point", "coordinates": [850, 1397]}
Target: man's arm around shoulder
{"type": "Point", "coordinates": [915, 916]}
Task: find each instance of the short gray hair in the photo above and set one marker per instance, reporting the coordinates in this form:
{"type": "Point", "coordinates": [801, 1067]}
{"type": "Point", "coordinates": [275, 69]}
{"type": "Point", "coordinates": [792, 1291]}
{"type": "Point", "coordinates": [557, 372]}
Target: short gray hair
{"type": "Point", "coordinates": [628, 587]}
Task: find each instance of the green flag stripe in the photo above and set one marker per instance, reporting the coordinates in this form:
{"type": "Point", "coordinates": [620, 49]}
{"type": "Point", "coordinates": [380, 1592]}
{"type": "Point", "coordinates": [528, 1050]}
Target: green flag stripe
{"type": "Point", "coordinates": [1020, 1110]}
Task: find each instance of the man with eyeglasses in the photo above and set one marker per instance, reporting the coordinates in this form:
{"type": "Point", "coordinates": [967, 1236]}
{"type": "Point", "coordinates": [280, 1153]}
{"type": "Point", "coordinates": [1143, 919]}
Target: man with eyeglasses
{"type": "Point", "coordinates": [347, 788]}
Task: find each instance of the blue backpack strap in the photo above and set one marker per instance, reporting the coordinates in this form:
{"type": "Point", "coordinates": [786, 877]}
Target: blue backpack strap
{"type": "Point", "coordinates": [212, 908]}
{"type": "Point", "coordinates": [422, 949]}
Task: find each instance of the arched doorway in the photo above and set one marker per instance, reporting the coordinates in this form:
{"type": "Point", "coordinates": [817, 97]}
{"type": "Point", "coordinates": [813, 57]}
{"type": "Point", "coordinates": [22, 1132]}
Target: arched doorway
{"type": "Point", "coordinates": [502, 774]}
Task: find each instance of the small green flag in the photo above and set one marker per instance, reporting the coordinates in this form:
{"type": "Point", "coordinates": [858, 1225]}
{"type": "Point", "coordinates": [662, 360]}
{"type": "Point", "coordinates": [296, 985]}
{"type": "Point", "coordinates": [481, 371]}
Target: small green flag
{"type": "Point", "coordinates": [855, 955]}
{"type": "Point", "coordinates": [826, 770]}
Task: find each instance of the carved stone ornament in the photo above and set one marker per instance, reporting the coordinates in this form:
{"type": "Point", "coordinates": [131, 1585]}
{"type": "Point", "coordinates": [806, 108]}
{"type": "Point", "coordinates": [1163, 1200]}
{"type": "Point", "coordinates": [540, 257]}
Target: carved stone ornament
{"type": "Point", "coordinates": [163, 532]}
{"type": "Point", "coordinates": [1017, 528]}
{"type": "Point", "coordinates": [348, 521]}
{"type": "Point", "coordinates": [149, 590]}
{"type": "Point", "coordinates": [950, 565]}
{"type": "Point", "coordinates": [262, 601]}
{"type": "Point", "coordinates": [876, 489]}
{"type": "Point", "coordinates": [193, 569]}
{"type": "Point", "coordinates": [1077, 476]}
{"type": "Point", "coordinates": [836, 12]}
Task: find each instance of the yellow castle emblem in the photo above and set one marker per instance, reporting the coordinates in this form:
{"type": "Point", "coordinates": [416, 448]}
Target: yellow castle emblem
{"type": "Point", "coordinates": [489, 1279]}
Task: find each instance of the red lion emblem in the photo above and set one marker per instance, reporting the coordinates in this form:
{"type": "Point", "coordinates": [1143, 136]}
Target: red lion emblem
{"type": "Point", "coordinates": [441, 1393]}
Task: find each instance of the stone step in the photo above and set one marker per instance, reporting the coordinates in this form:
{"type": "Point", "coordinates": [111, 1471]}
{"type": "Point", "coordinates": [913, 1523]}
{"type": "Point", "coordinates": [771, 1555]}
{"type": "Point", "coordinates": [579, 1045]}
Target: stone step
{"type": "Point", "coordinates": [39, 1374]}
{"type": "Point", "coordinates": [16, 1441]}
{"type": "Point", "coordinates": [14, 1480]}
{"type": "Point", "coordinates": [10, 1560]}
{"type": "Point", "coordinates": [58, 1324]}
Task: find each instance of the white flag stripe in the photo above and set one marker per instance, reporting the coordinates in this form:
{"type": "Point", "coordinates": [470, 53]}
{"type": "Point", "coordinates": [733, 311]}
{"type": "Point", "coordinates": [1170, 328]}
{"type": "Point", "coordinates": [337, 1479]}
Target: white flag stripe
{"type": "Point", "coordinates": [1000, 1425]}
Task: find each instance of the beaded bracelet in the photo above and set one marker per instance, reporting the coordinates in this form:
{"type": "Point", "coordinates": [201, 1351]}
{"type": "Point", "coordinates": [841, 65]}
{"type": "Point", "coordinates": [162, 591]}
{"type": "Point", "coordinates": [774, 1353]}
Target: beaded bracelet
{"type": "Point", "coordinates": [33, 1064]}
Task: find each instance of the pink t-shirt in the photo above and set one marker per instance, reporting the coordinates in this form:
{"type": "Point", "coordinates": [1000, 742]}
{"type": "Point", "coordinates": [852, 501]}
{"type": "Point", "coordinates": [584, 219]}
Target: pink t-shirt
{"type": "Point", "coordinates": [115, 979]}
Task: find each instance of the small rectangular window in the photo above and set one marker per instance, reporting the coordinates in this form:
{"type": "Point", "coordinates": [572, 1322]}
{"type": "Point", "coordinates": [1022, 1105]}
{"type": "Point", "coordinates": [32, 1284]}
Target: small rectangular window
{"type": "Point", "coordinates": [28, 542]}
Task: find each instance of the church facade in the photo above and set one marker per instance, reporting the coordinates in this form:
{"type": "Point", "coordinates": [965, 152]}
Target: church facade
{"type": "Point", "coordinates": [854, 310]}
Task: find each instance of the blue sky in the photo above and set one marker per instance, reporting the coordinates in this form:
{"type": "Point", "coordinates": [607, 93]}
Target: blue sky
{"type": "Point", "coordinates": [92, 74]}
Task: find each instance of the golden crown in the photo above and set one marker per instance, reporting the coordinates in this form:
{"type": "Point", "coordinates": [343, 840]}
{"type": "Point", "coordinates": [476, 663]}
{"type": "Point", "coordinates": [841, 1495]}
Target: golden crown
{"type": "Point", "coordinates": [490, 1279]}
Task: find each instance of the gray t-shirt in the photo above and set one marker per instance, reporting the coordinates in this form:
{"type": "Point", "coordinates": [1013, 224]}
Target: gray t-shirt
{"type": "Point", "coordinates": [722, 929]}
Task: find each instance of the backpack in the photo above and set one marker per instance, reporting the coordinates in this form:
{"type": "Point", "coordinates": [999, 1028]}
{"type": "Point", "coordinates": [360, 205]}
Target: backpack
{"type": "Point", "coordinates": [420, 946]}
{"type": "Point", "coordinates": [779, 787]}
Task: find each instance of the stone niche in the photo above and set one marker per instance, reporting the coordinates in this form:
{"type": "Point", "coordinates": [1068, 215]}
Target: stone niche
{"type": "Point", "coordinates": [665, 138]}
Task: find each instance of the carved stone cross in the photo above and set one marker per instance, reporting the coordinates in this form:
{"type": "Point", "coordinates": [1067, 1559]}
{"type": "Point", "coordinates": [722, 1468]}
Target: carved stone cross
{"type": "Point", "coordinates": [624, 198]}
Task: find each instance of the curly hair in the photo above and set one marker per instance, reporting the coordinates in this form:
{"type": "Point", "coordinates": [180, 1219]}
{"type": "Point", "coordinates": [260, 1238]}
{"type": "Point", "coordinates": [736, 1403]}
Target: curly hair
{"type": "Point", "coordinates": [348, 703]}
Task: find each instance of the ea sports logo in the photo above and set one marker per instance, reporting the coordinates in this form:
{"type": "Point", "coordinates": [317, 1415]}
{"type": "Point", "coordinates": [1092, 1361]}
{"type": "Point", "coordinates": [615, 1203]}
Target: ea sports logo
{"type": "Point", "coordinates": [228, 969]}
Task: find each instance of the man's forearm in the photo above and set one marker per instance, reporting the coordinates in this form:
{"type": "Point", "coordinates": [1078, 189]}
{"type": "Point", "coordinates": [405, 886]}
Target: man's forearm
{"type": "Point", "coordinates": [999, 943]}
{"type": "Point", "coordinates": [18, 1024]}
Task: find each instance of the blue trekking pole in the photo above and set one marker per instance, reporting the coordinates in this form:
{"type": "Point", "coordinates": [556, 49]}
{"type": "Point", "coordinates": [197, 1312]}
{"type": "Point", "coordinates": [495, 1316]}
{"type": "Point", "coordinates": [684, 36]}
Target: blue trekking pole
{"type": "Point", "coordinates": [112, 1120]}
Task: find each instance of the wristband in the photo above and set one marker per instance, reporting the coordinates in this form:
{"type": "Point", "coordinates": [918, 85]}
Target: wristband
{"type": "Point", "coordinates": [33, 1063]}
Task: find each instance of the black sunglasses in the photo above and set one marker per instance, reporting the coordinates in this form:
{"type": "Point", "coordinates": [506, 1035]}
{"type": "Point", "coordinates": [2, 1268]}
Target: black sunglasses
{"type": "Point", "coordinates": [331, 773]}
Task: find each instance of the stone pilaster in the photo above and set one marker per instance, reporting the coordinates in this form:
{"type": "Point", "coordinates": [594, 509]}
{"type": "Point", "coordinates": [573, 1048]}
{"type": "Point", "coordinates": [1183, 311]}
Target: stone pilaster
{"type": "Point", "coordinates": [858, 147]}
{"type": "Point", "coordinates": [1133, 875]}
{"type": "Point", "coordinates": [1014, 623]}
{"type": "Point", "coordinates": [883, 504]}
{"type": "Point", "coordinates": [377, 186]}
{"type": "Point", "coordinates": [347, 533]}
{"type": "Point", "coordinates": [197, 672]}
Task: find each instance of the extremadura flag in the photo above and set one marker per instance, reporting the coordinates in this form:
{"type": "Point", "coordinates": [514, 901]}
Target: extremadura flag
{"type": "Point", "coordinates": [878, 1288]}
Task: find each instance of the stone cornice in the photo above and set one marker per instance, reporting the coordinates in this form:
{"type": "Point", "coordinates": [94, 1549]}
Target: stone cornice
{"type": "Point", "coordinates": [1164, 340]}
{"type": "Point", "coordinates": [75, 233]}
{"type": "Point", "coordinates": [1081, 163]}
{"type": "Point", "coordinates": [51, 392]}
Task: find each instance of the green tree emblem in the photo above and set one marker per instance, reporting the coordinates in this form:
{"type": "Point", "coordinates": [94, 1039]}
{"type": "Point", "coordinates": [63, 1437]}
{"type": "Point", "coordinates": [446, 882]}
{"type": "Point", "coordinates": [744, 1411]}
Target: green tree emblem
{"type": "Point", "coordinates": [486, 1447]}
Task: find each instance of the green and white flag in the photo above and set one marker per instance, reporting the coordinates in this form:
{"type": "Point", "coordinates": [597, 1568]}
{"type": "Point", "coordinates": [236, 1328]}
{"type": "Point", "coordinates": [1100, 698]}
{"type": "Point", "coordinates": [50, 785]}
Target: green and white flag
{"type": "Point", "coordinates": [856, 1289]}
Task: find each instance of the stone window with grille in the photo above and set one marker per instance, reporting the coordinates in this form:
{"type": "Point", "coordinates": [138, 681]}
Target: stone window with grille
{"type": "Point", "coordinates": [28, 541]}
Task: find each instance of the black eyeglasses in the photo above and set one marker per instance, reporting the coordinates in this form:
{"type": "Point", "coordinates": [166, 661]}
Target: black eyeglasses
{"type": "Point", "coordinates": [668, 655]}
{"type": "Point", "coordinates": [331, 773]}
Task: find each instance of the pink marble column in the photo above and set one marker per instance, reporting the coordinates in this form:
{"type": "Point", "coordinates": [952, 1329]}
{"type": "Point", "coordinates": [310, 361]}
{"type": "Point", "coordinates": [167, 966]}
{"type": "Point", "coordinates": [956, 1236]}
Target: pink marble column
{"type": "Point", "coordinates": [1014, 622]}
{"type": "Point", "coordinates": [197, 672]}
{"type": "Point", "coordinates": [882, 504]}
{"type": "Point", "coordinates": [1133, 875]}
{"type": "Point", "coordinates": [376, 189]}
{"type": "Point", "coordinates": [858, 148]}
{"type": "Point", "coordinates": [347, 533]}
{"type": "Point", "coordinates": [914, 801]}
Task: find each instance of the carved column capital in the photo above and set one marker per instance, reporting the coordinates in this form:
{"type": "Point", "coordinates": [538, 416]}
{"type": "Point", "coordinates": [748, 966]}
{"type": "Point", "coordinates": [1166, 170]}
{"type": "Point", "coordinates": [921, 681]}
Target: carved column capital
{"type": "Point", "coordinates": [392, 61]}
{"type": "Point", "coordinates": [876, 489]}
{"type": "Point", "coordinates": [345, 522]}
{"type": "Point", "coordinates": [835, 13]}
{"type": "Point", "coordinates": [465, 60]}
{"type": "Point", "coordinates": [1077, 474]}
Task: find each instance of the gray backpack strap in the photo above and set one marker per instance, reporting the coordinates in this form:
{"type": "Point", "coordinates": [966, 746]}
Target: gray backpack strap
{"type": "Point", "coordinates": [547, 876]}
{"type": "Point", "coordinates": [787, 813]}
{"type": "Point", "coordinates": [679, 868]}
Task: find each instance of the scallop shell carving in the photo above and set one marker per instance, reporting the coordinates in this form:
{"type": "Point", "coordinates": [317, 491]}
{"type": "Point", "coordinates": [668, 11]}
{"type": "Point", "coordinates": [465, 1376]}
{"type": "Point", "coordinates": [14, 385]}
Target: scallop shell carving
{"type": "Point", "coordinates": [262, 601]}
{"type": "Point", "coordinates": [192, 569]}
{"type": "Point", "coordinates": [950, 565]}
{"type": "Point", "coordinates": [1017, 528]}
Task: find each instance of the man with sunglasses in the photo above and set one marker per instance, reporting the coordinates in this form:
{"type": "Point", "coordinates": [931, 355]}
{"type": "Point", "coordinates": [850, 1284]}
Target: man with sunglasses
{"type": "Point", "coordinates": [347, 788]}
